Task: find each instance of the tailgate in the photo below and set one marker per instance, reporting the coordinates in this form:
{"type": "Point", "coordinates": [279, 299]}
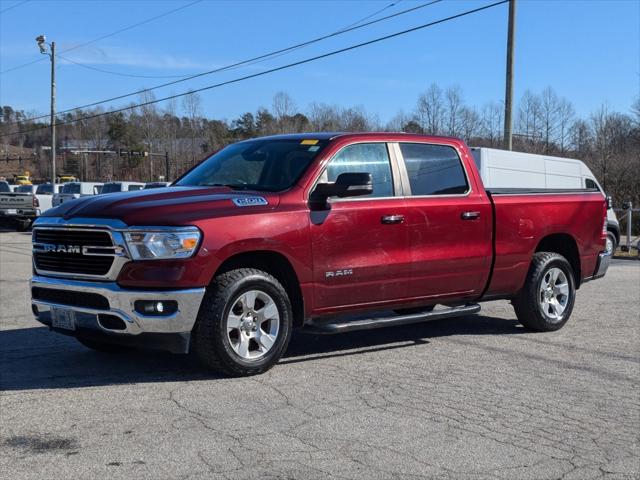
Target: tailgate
{"type": "Point", "coordinates": [16, 201]}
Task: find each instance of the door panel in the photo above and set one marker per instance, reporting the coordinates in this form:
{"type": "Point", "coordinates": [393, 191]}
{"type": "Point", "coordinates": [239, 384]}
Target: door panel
{"type": "Point", "coordinates": [450, 256]}
{"type": "Point", "coordinates": [448, 222]}
{"type": "Point", "coordinates": [358, 259]}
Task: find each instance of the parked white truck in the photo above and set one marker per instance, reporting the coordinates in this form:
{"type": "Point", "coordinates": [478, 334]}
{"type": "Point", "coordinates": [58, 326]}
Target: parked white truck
{"type": "Point", "coordinates": [19, 209]}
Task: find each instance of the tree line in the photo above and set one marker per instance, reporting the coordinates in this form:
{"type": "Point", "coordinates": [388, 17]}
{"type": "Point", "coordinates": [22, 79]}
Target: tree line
{"type": "Point", "coordinates": [545, 122]}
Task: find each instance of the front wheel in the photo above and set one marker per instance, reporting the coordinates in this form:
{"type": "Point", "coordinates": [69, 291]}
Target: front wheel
{"type": "Point", "coordinates": [546, 301]}
{"type": "Point", "coordinates": [244, 324]}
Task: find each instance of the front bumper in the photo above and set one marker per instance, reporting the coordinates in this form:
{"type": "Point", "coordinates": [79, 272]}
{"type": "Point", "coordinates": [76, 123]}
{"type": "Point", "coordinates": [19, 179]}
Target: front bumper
{"type": "Point", "coordinates": [98, 320]}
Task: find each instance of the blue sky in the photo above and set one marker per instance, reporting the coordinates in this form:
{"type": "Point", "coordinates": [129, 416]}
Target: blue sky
{"type": "Point", "coordinates": [588, 51]}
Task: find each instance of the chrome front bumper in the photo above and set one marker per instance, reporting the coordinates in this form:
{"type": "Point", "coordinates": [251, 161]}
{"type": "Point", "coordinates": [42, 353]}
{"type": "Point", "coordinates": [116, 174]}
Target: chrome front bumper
{"type": "Point", "coordinates": [121, 305]}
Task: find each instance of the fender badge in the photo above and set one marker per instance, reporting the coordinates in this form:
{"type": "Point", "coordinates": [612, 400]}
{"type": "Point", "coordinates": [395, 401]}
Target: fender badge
{"type": "Point", "coordinates": [249, 201]}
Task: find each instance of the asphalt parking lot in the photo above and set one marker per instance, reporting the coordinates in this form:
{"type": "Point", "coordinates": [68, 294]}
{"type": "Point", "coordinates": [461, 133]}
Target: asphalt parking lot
{"type": "Point", "coordinates": [475, 397]}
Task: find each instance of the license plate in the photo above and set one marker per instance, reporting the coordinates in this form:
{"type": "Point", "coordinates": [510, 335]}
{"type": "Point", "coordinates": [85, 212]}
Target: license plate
{"type": "Point", "coordinates": [11, 211]}
{"type": "Point", "coordinates": [63, 318]}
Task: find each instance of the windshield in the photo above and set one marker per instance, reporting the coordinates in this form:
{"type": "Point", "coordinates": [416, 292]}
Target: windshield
{"type": "Point", "coordinates": [24, 189]}
{"type": "Point", "coordinates": [71, 188]}
{"type": "Point", "coordinates": [111, 187]}
{"type": "Point", "coordinates": [4, 187]}
{"type": "Point", "coordinates": [44, 189]}
{"type": "Point", "coordinates": [271, 165]}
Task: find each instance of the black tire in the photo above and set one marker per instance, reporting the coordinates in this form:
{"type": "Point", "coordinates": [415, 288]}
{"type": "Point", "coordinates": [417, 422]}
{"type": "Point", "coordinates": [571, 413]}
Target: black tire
{"type": "Point", "coordinates": [528, 303]}
{"type": "Point", "coordinates": [23, 225]}
{"type": "Point", "coordinates": [210, 338]}
{"type": "Point", "coordinates": [410, 311]}
{"type": "Point", "coordinates": [103, 347]}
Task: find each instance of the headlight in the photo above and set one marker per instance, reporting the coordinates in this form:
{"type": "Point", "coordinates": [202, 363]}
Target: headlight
{"type": "Point", "coordinates": [163, 244]}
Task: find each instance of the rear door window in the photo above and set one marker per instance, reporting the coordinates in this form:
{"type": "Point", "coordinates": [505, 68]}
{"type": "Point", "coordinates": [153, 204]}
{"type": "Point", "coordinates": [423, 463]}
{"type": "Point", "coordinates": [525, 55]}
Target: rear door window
{"type": "Point", "coordinates": [434, 169]}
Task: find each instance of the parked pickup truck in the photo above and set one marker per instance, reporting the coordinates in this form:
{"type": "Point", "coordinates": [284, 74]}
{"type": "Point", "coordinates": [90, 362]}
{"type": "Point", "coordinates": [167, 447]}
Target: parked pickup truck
{"type": "Point", "coordinates": [19, 208]}
{"type": "Point", "coordinates": [324, 232]}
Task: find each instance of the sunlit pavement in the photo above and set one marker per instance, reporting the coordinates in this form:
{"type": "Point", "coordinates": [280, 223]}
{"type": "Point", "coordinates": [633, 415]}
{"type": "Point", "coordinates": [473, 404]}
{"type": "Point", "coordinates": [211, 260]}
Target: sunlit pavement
{"type": "Point", "coordinates": [476, 397]}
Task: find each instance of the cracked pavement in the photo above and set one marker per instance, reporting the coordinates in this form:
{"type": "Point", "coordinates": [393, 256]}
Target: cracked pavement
{"type": "Point", "coordinates": [470, 398]}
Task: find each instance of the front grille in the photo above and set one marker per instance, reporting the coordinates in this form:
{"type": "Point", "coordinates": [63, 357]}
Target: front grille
{"type": "Point", "coordinates": [74, 299]}
{"type": "Point", "coordinates": [60, 261]}
{"type": "Point", "coordinates": [95, 238]}
{"type": "Point", "coordinates": [71, 263]}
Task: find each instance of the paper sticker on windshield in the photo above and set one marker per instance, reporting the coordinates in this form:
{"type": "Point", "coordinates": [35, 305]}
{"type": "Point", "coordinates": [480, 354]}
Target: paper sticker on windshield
{"type": "Point", "coordinates": [309, 141]}
{"type": "Point", "coordinates": [249, 201]}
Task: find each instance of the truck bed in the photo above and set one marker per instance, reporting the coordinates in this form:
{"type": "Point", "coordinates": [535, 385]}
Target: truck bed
{"type": "Point", "coordinates": [524, 218]}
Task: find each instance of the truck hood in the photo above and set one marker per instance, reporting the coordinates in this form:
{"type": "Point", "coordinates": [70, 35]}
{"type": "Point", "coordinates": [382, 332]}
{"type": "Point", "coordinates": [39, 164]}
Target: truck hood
{"type": "Point", "coordinates": [166, 206]}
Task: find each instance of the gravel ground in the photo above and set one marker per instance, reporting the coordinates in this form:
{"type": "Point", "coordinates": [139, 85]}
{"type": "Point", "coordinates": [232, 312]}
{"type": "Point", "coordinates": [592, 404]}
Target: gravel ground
{"type": "Point", "coordinates": [475, 397]}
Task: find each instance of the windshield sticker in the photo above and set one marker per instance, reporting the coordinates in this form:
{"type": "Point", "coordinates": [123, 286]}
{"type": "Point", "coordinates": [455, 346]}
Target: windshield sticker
{"type": "Point", "coordinates": [309, 141]}
{"type": "Point", "coordinates": [249, 201]}
{"type": "Point", "coordinates": [314, 148]}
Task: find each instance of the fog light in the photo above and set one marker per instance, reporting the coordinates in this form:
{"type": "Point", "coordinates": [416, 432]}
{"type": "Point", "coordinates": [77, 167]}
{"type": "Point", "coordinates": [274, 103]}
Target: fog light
{"type": "Point", "coordinates": [156, 307]}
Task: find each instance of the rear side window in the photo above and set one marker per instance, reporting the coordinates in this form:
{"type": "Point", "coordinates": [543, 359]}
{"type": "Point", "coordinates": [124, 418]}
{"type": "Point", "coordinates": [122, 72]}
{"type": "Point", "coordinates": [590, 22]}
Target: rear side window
{"type": "Point", "coordinates": [370, 158]}
{"type": "Point", "coordinates": [590, 184]}
{"type": "Point", "coordinates": [4, 187]}
{"type": "Point", "coordinates": [434, 169]}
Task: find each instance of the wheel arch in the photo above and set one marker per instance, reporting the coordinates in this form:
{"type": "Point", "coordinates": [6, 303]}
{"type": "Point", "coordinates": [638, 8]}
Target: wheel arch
{"type": "Point", "coordinates": [565, 245]}
{"type": "Point", "coordinates": [276, 264]}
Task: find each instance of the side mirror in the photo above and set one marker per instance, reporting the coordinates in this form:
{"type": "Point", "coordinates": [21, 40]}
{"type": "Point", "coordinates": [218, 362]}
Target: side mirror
{"type": "Point", "coordinates": [609, 202]}
{"type": "Point", "coordinates": [346, 185]}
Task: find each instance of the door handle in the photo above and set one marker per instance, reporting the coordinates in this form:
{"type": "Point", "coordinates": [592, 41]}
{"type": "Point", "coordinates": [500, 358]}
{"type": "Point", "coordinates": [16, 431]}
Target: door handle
{"type": "Point", "coordinates": [470, 215]}
{"type": "Point", "coordinates": [392, 219]}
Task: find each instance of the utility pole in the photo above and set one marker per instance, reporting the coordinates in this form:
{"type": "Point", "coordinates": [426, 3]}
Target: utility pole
{"type": "Point", "coordinates": [508, 96]}
{"type": "Point", "coordinates": [41, 39]}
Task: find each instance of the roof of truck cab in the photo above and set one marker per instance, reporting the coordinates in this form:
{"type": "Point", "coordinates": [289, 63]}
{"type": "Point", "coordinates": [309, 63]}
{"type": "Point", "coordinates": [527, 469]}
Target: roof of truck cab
{"type": "Point", "coordinates": [333, 135]}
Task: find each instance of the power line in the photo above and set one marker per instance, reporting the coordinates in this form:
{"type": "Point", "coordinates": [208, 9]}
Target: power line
{"type": "Point", "coordinates": [108, 35]}
{"type": "Point", "coordinates": [249, 61]}
{"type": "Point", "coordinates": [120, 74]}
{"type": "Point", "coordinates": [393, 4]}
{"type": "Point", "coordinates": [272, 70]}
{"type": "Point", "coordinates": [14, 6]}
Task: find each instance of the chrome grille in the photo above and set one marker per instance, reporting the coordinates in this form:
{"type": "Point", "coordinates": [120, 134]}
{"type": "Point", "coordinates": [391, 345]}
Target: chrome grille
{"type": "Point", "coordinates": [74, 251]}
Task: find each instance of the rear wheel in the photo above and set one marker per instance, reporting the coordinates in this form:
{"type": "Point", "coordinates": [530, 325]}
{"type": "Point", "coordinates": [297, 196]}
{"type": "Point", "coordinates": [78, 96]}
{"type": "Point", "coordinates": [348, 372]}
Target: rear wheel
{"type": "Point", "coordinates": [23, 225]}
{"type": "Point", "coordinates": [546, 301]}
{"type": "Point", "coordinates": [244, 324]}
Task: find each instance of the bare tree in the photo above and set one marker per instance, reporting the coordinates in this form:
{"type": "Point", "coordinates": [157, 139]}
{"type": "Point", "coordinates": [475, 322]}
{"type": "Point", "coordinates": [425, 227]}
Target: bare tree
{"type": "Point", "coordinates": [566, 113]}
{"type": "Point", "coordinates": [430, 110]}
{"type": "Point", "coordinates": [453, 107]}
{"type": "Point", "coordinates": [528, 114]}
{"type": "Point", "coordinates": [492, 123]}
{"type": "Point", "coordinates": [191, 103]}
{"type": "Point", "coordinates": [283, 108]}
{"type": "Point", "coordinates": [470, 123]}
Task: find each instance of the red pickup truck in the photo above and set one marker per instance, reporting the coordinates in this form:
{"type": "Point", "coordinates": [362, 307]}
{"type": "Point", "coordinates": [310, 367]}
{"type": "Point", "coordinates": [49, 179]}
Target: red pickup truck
{"type": "Point", "coordinates": [310, 231]}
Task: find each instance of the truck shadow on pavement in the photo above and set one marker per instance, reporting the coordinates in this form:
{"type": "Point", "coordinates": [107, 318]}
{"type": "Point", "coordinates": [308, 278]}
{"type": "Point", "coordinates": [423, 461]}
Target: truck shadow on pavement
{"type": "Point", "coordinates": [34, 358]}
